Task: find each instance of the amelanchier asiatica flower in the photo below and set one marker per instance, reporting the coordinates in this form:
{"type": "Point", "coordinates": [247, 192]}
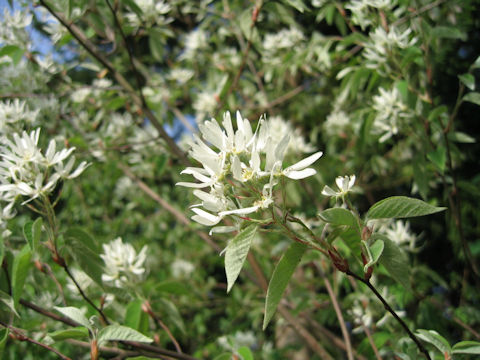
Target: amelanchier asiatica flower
{"type": "Point", "coordinates": [26, 171]}
{"type": "Point", "coordinates": [344, 184]}
{"type": "Point", "coordinates": [240, 168]}
{"type": "Point", "coordinates": [122, 264]}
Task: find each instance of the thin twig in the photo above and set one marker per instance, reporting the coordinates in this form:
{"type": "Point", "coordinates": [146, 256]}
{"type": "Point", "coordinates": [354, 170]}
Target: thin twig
{"type": "Point", "coordinates": [367, 332]}
{"type": "Point", "coordinates": [418, 12]}
{"type": "Point", "coordinates": [22, 337]}
{"type": "Point", "coordinates": [82, 293]}
{"type": "Point", "coordinates": [148, 309]}
{"type": "Point", "coordinates": [391, 311]}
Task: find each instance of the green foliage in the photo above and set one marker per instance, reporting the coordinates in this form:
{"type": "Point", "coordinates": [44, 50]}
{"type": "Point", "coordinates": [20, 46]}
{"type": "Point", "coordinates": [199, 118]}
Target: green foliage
{"type": "Point", "coordinates": [401, 207]}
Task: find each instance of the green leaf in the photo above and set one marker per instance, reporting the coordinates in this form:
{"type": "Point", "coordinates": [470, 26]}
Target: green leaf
{"type": "Point", "coordinates": [236, 253]}
{"type": "Point", "coordinates": [435, 339]}
{"type": "Point", "coordinates": [3, 341]}
{"type": "Point", "coordinates": [135, 317]}
{"type": "Point", "coordinates": [134, 7]}
{"type": "Point", "coordinates": [245, 353]}
{"type": "Point", "coordinates": [76, 315]}
{"type": "Point", "coordinates": [297, 4]}
{"type": "Point", "coordinates": [32, 232]}
{"type": "Point", "coordinates": [174, 287]}
{"type": "Point", "coordinates": [374, 252]}
{"type": "Point", "coordinates": [280, 278]}
{"type": "Point", "coordinates": [449, 32]}
{"type": "Point", "coordinates": [2, 249]}
{"type": "Point", "coordinates": [8, 301]}
{"type": "Point", "coordinates": [21, 266]}
{"type": "Point", "coordinates": [401, 207]}
{"type": "Point", "coordinates": [121, 333]}
{"type": "Point", "coordinates": [461, 137]}
{"type": "Point", "coordinates": [156, 44]}
{"type": "Point", "coordinates": [467, 347]}
{"type": "Point", "coordinates": [88, 259]}
{"type": "Point", "coordinates": [468, 80]}
{"type": "Point", "coordinates": [83, 236]}
{"type": "Point", "coordinates": [439, 158]}
{"type": "Point", "coordinates": [473, 97]}
{"type": "Point", "coordinates": [224, 356]}
{"type": "Point", "coordinates": [73, 333]}
{"type": "Point", "coordinates": [395, 261]}
{"type": "Point", "coordinates": [171, 310]}
{"type": "Point", "coordinates": [338, 216]}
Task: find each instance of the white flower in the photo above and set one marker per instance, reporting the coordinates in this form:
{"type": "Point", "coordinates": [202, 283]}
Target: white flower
{"type": "Point", "coordinates": [153, 12]}
{"type": "Point", "coordinates": [344, 184]}
{"type": "Point", "coordinates": [390, 112]}
{"type": "Point", "coordinates": [240, 182]}
{"type": "Point", "coordinates": [122, 264]}
{"type": "Point", "coordinates": [15, 111]}
{"type": "Point", "coordinates": [181, 268]}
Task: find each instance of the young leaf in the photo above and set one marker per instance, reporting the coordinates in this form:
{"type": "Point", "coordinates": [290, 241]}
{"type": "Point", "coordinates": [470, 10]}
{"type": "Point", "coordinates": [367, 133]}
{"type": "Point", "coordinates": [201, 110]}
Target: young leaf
{"type": "Point", "coordinates": [401, 207]}
{"type": "Point", "coordinates": [236, 253]}
{"type": "Point", "coordinates": [280, 278]}
{"type": "Point", "coordinates": [8, 301]}
{"type": "Point", "coordinates": [374, 252]}
{"type": "Point", "coordinates": [338, 216]}
{"type": "Point", "coordinates": [32, 232]}
{"type": "Point", "coordinates": [466, 347]}
{"type": "Point", "coordinates": [76, 315]}
{"type": "Point", "coordinates": [395, 261]}
{"type": "Point", "coordinates": [73, 333]}
{"type": "Point", "coordinates": [21, 265]}
{"type": "Point", "coordinates": [435, 339]}
{"type": "Point", "coordinates": [121, 333]}
{"type": "Point", "coordinates": [2, 249]}
{"type": "Point", "coordinates": [297, 4]}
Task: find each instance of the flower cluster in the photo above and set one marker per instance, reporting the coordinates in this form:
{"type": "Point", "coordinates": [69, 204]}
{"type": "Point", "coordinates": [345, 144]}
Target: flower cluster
{"type": "Point", "coordinates": [344, 184]}
{"type": "Point", "coordinates": [243, 171]}
{"type": "Point", "coordinates": [122, 264]}
{"type": "Point", "coordinates": [26, 171]}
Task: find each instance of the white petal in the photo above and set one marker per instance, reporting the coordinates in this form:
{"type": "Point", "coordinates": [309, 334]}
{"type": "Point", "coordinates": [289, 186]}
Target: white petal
{"type": "Point", "coordinates": [302, 164]}
{"type": "Point", "coordinates": [241, 211]}
{"type": "Point", "coordinates": [193, 185]}
{"type": "Point", "coordinates": [328, 191]}
{"type": "Point", "coordinates": [296, 175]}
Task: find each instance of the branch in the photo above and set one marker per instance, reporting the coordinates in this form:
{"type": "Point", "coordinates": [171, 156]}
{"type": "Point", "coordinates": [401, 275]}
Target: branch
{"type": "Point", "coordinates": [391, 311]}
{"type": "Point", "coordinates": [22, 337]}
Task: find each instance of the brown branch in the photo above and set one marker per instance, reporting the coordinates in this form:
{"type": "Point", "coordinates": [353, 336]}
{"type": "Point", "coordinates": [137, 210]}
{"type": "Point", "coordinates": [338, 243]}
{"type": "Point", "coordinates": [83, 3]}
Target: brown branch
{"type": "Point", "coordinates": [148, 309]}
{"type": "Point", "coordinates": [370, 340]}
{"type": "Point", "coordinates": [18, 335]}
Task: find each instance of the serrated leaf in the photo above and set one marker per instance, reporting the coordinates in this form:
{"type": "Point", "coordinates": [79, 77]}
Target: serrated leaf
{"type": "Point", "coordinates": [468, 80]}
{"type": "Point", "coordinates": [473, 97]}
{"type": "Point", "coordinates": [76, 315]}
{"type": "Point", "coordinates": [338, 216]}
{"type": "Point", "coordinates": [236, 253]}
{"type": "Point", "coordinates": [280, 278]}
{"type": "Point", "coordinates": [121, 333]}
{"type": "Point", "coordinates": [8, 301]}
{"type": "Point", "coordinates": [20, 268]}
{"type": "Point", "coordinates": [73, 333]}
{"type": "Point", "coordinates": [439, 158]}
{"type": "Point", "coordinates": [466, 347]}
{"type": "Point", "coordinates": [245, 353]}
{"type": "Point", "coordinates": [135, 317]}
{"type": "Point", "coordinates": [401, 207]}
{"type": "Point", "coordinates": [3, 341]}
{"type": "Point", "coordinates": [435, 339]}
{"type": "Point", "coordinates": [374, 252]}
{"type": "Point", "coordinates": [395, 261]}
